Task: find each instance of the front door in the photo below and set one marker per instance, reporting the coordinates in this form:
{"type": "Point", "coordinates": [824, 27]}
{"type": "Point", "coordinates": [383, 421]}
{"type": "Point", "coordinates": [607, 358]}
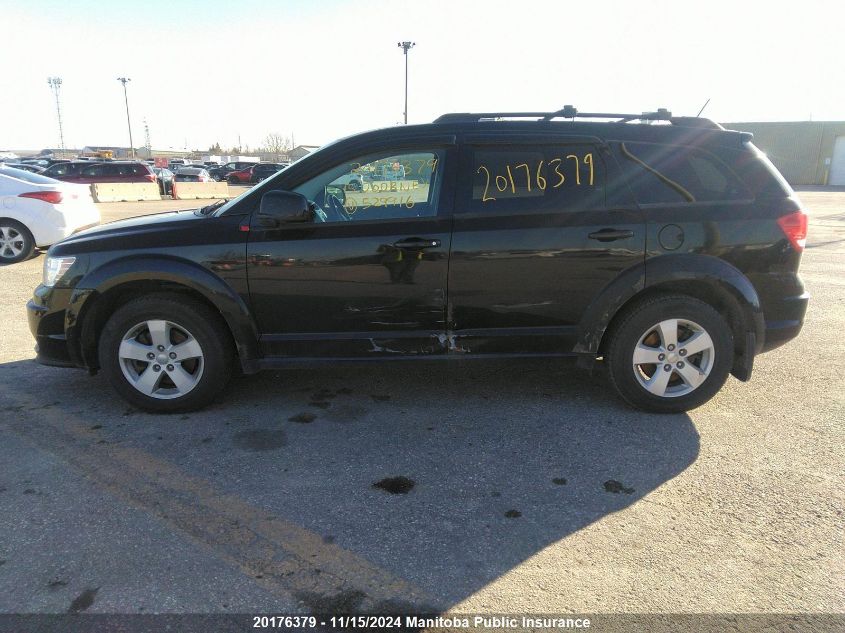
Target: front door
{"type": "Point", "coordinates": [538, 233]}
{"type": "Point", "coordinates": [366, 278]}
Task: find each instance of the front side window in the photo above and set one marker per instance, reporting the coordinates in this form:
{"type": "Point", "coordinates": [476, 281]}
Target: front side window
{"type": "Point", "coordinates": [522, 179]}
{"type": "Point", "coordinates": [378, 187]}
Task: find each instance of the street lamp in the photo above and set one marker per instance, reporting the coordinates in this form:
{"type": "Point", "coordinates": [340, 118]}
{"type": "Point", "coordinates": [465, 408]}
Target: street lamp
{"type": "Point", "coordinates": [55, 84]}
{"type": "Point", "coordinates": [123, 80]}
{"type": "Point", "coordinates": [406, 46]}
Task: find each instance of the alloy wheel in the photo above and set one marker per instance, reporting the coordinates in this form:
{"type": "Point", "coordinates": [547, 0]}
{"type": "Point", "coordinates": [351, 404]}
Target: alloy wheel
{"type": "Point", "coordinates": [161, 359]}
{"type": "Point", "coordinates": [11, 242]}
{"type": "Point", "coordinates": [673, 358]}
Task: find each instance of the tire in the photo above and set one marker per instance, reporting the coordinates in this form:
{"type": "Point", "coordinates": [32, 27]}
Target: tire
{"type": "Point", "coordinates": [16, 242]}
{"type": "Point", "coordinates": [181, 385]}
{"type": "Point", "coordinates": [692, 378]}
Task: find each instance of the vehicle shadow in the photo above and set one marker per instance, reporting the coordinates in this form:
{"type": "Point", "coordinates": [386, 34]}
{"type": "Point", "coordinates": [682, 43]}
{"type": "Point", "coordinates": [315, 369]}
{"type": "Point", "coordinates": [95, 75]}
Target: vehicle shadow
{"type": "Point", "coordinates": [486, 463]}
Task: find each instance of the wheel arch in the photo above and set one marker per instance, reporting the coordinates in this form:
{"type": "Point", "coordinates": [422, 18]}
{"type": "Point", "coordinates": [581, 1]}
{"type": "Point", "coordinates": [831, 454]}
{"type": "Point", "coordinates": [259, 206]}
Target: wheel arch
{"type": "Point", "coordinates": [709, 279]}
{"type": "Point", "coordinates": [108, 287]}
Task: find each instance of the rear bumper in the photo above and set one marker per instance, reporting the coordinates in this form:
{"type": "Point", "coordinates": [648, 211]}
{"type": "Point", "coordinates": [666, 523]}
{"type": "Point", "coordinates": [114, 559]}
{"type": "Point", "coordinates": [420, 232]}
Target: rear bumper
{"type": "Point", "coordinates": [784, 320]}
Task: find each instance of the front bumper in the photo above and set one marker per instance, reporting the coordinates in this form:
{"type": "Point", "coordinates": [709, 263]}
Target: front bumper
{"type": "Point", "coordinates": [47, 325]}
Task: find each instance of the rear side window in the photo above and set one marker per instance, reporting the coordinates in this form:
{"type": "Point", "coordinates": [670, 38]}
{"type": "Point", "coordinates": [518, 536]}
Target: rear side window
{"type": "Point", "coordinates": [674, 173]}
{"type": "Point", "coordinates": [523, 179]}
{"type": "Point", "coordinates": [95, 170]}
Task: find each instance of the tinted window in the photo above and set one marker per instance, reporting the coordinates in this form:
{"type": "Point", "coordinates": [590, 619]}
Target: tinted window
{"type": "Point", "coordinates": [381, 186]}
{"type": "Point", "coordinates": [26, 176]}
{"type": "Point", "coordinates": [671, 173]}
{"type": "Point", "coordinates": [57, 170]}
{"type": "Point", "coordinates": [93, 171]}
{"type": "Point", "coordinates": [511, 179]}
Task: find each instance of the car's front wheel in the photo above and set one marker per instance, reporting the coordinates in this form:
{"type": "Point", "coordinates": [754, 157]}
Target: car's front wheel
{"type": "Point", "coordinates": [669, 354]}
{"type": "Point", "coordinates": [16, 242]}
{"type": "Point", "coordinates": [166, 353]}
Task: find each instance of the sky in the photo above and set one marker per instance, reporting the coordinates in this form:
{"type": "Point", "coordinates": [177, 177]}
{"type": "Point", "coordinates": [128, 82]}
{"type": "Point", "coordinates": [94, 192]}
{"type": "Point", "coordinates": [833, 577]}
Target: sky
{"type": "Point", "coordinates": [216, 71]}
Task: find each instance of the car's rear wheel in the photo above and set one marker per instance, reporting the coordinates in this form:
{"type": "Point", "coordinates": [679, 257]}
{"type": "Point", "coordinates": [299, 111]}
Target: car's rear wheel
{"type": "Point", "coordinates": [669, 354]}
{"type": "Point", "coordinates": [16, 242]}
{"type": "Point", "coordinates": [166, 353]}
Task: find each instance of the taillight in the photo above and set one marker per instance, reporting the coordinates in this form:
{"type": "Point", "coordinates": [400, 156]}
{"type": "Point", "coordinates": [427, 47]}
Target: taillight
{"type": "Point", "coordinates": [794, 226]}
{"type": "Point", "coordinates": [150, 177]}
{"type": "Point", "coordinates": [53, 197]}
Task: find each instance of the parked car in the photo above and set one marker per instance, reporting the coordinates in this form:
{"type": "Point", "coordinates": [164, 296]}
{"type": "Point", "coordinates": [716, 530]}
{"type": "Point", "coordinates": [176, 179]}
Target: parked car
{"type": "Point", "coordinates": [60, 171]}
{"type": "Point", "coordinates": [36, 211]}
{"type": "Point", "coordinates": [241, 176]}
{"type": "Point", "coordinates": [669, 253]}
{"type": "Point", "coordinates": [114, 171]}
{"type": "Point", "coordinates": [35, 169]}
{"type": "Point", "coordinates": [165, 180]}
{"type": "Point", "coordinates": [350, 182]}
{"type": "Point", "coordinates": [191, 174]}
{"type": "Point", "coordinates": [220, 173]}
{"type": "Point", "coordinates": [265, 170]}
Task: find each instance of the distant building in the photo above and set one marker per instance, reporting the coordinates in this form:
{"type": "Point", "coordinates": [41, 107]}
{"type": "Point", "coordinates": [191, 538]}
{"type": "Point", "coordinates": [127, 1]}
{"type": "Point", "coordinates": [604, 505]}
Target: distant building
{"type": "Point", "coordinates": [144, 153]}
{"type": "Point", "coordinates": [301, 150]}
{"type": "Point", "coordinates": [805, 152]}
{"type": "Point", "coordinates": [117, 152]}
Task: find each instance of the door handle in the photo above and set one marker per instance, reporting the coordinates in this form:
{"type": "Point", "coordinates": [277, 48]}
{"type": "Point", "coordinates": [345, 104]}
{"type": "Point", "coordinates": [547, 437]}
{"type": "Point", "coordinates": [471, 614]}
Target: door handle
{"type": "Point", "coordinates": [610, 235]}
{"type": "Point", "coordinates": [417, 242]}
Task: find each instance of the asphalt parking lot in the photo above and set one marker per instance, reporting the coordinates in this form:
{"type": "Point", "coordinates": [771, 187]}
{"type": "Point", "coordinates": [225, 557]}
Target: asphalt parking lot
{"type": "Point", "coordinates": [533, 489]}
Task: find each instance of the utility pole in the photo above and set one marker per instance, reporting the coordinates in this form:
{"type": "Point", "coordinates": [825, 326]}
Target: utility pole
{"type": "Point", "coordinates": [147, 142]}
{"type": "Point", "coordinates": [406, 46]}
{"type": "Point", "coordinates": [55, 84]}
{"type": "Point", "coordinates": [123, 80]}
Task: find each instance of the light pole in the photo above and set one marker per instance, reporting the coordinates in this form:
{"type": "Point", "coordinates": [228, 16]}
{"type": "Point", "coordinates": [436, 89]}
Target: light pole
{"type": "Point", "coordinates": [406, 46]}
{"type": "Point", "coordinates": [123, 80]}
{"type": "Point", "coordinates": [55, 84]}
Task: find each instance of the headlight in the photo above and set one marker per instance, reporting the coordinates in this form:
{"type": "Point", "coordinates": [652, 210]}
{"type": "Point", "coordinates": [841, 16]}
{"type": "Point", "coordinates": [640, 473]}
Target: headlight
{"type": "Point", "coordinates": [55, 268]}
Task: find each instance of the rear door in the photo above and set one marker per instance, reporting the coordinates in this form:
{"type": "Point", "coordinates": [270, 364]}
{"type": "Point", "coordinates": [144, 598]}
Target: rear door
{"type": "Point", "coordinates": [541, 227]}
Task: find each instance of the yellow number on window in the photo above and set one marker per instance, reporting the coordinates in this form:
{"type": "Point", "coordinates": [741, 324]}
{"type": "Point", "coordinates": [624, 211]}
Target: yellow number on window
{"type": "Point", "coordinates": [541, 180]}
{"type": "Point", "coordinates": [527, 174]}
{"type": "Point", "coordinates": [577, 168]}
{"type": "Point", "coordinates": [484, 196]}
{"type": "Point", "coordinates": [556, 162]}
{"type": "Point", "coordinates": [588, 160]}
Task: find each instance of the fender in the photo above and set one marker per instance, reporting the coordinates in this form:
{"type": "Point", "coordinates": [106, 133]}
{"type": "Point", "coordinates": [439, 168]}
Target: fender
{"type": "Point", "coordinates": [664, 269]}
{"type": "Point", "coordinates": [174, 270]}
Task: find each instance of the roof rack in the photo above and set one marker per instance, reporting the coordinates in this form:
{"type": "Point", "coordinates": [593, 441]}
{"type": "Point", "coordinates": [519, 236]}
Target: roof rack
{"type": "Point", "coordinates": [568, 112]}
{"type": "Point", "coordinates": [571, 112]}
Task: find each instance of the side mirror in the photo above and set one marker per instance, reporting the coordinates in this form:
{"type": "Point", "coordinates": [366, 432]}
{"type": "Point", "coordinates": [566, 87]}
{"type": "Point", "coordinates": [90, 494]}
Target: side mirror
{"type": "Point", "coordinates": [283, 206]}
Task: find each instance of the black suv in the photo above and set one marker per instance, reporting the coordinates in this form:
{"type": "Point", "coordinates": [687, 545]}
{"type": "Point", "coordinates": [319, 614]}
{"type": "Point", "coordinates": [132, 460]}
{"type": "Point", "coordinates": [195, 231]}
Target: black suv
{"type": "Point", "coordinates": [667, 247]}
{"type": "Point", "coordinates": [261, 171]}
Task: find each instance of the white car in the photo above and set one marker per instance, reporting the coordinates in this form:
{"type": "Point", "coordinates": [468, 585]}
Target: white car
{"type": "Point", "coordinates": [40, 211]}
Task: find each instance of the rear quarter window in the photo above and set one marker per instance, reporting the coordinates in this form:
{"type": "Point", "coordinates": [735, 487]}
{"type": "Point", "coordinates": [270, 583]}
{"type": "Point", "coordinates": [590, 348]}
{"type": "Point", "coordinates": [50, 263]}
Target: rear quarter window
{"type": "Point", "coordinates": [676, 174]}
